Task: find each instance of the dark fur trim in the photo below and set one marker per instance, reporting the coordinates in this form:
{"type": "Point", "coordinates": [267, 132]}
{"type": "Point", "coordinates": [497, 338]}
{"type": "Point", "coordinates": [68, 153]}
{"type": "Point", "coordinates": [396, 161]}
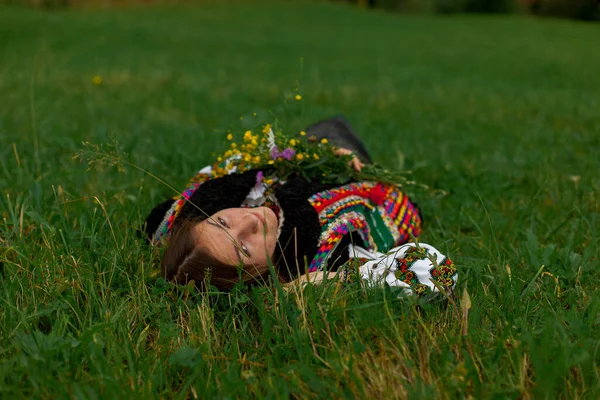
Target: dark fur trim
{"type": "Point", "coordinates": [301, 229]}
{"type": "Point", "coordinates": [218, 194]}
{"type": "Point", "coordinates": [212, 196]}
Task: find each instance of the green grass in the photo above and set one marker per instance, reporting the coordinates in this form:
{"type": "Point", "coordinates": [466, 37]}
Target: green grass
{"type": "Point", "coordinates": [501, 112]}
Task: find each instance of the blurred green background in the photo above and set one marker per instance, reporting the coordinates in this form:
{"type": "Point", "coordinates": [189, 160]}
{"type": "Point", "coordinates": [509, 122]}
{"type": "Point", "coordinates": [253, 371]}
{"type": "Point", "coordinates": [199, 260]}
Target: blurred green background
{"type": "Point", "coordinates": [500, 111]}
{"type": "Point", "coordinates": [587, 10]}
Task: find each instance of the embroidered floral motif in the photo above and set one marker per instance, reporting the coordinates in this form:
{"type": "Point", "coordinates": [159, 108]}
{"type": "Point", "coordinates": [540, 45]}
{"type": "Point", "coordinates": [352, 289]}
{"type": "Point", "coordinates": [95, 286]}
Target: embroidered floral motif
{"type": "Point", "coordinates": [443, 274]}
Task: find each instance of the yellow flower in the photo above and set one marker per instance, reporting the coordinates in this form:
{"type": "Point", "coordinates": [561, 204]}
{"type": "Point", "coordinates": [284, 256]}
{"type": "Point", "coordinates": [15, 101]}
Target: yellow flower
{"type": "Point", "coordinates": [267, 128]}
{"type": "Point", "coordinates": [298, 97]}
{"type": "Point", "coordinates": [257, 159]}
{"type": "Point", "coordinates": [249, 147]}
{"type": "Point", "coordinates": [248, 136]}
{"type": "Point", "coordinates": [233, 145]}
{"type": "Point", "coordinates": [324, 140]}
{"type": "Point", "coordinates": [269, 181]}
{"type": "Point", "coordinates": [254, 142]}
{"type": "Point", "coordinates": [299, 156]}
{"type": "Point", "coordinates": [230, 137]}
{"type": "Point", "coordinates": [315, 156]}
{"type": "Point", "coordinates": [97, 80]}
{"type": "Point", "coordinates": [228, 153]}
{"type": "Point", "coordinates": [229, 165]}
{"type": "Point", "coordinates": [247, 157]}
{"type": "Point", "coordinates": [219, 159]}
{"type": "Point", "coordinates": [292, 142]}
{"type": "Point", "coordinates": [302, 133]}
{"type": "Point", "coordinates": [271, 162]}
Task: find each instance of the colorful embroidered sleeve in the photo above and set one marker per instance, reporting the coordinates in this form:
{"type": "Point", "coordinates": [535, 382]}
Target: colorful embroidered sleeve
{"type": "Point", "coordinates": [381, 214]}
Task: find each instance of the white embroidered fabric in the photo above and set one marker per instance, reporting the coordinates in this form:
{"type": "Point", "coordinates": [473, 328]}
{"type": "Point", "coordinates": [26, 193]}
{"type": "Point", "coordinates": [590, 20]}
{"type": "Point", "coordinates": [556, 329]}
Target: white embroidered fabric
{"type": "Point", "coordinates": [385, 268]}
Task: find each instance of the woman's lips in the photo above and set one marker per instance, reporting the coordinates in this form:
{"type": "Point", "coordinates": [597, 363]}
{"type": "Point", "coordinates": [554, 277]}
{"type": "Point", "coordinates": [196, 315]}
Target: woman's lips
{"type": "Point", "coordinates": [260, 217]}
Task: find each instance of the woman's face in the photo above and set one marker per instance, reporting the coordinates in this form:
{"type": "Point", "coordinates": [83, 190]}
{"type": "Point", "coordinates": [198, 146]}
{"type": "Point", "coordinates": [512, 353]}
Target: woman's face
{"type": "Point", "coordinates": [237, 236]}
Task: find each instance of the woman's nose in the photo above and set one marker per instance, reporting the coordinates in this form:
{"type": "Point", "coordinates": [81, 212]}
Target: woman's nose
{"type": "Point", "coordinates": [249, 224]}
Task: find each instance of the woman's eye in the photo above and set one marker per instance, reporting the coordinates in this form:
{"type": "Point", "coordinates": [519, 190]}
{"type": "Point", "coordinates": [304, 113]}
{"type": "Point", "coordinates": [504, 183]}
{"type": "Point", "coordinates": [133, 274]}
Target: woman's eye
{"type": "Point", "coordinates": [245, 251]}
{"type": "Point", "coordinates": [222, 222]}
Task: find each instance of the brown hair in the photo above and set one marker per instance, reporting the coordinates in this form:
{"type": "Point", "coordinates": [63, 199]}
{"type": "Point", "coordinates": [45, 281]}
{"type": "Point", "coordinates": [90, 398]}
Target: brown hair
{"type": "Point", "coordinates": [184, 261]}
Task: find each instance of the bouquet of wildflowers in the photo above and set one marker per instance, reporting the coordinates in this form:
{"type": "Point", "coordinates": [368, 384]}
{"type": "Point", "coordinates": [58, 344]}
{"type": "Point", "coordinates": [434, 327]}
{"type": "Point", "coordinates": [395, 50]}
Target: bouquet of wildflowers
{"type": "Point", "coordinates": [283, 155]}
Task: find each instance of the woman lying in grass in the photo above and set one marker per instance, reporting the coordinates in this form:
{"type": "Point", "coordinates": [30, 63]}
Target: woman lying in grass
{"type": "Point", "coordinates": [306, 210]}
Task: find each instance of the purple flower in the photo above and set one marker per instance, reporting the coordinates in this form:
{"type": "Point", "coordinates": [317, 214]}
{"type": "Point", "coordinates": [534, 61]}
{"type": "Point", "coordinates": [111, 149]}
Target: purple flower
{"type": "Point", "coordinates": [259, 176]}
{"type": "Point", "coordinates": [274, 152]}
{"type": "Point", "coordinates": [288, 153]}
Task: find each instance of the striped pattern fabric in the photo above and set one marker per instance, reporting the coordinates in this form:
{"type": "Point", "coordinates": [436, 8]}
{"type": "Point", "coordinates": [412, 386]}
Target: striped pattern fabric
{"type": "Point", "coordinates": [381, 214]}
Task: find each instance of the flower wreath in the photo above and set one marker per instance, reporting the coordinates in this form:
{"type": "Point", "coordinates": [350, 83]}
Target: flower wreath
{"type": "Point", "coordinates": [299, 155]}
{"type": "Point", "coordinates": [281, 156]}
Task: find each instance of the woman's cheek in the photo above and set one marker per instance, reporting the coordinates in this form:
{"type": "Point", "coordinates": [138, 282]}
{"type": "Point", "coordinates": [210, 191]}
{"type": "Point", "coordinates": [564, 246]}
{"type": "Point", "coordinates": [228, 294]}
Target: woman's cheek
{"type": "Point", "coordinates": [272, 244]}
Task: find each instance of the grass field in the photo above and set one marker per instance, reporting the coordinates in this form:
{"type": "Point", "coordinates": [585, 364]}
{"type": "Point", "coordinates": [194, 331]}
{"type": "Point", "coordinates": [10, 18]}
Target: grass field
{"type": "Point", "coordinates": [501, 112]}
